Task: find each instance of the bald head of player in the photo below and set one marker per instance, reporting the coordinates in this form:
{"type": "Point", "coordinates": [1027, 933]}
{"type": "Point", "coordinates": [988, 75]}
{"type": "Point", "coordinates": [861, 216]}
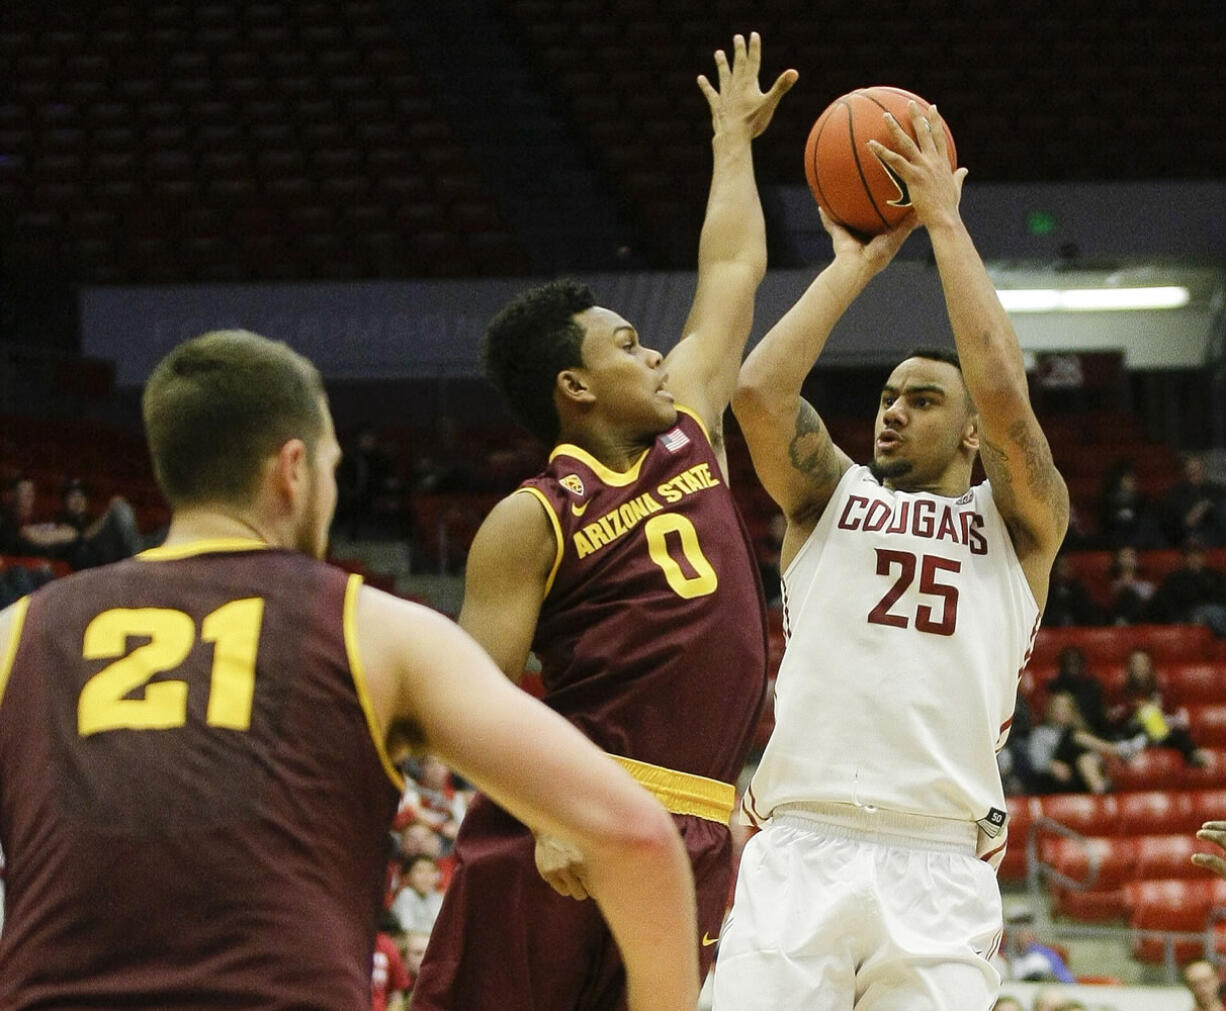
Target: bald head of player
{"type": "Point", "coordinates": [926, 436]}
{"type": "Point", "coordinates": [573, 371]}
{"type": "Point", "coordinates": [242, 441]}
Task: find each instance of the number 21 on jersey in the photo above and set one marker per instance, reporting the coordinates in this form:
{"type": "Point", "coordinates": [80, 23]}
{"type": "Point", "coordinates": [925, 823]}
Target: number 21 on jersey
{"type": "Point", "coordinates": [104, 702]}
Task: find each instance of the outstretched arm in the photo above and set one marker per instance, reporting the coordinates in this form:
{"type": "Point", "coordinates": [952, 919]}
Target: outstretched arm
{"type": "Point", "coordinates": [423, 669]}
{"type": "Point", "coordinates": [1027, 488]}
{"type": "Point", "coordinates": [793, 454]}
{"type": "Point", "coordinates": [702, 368]}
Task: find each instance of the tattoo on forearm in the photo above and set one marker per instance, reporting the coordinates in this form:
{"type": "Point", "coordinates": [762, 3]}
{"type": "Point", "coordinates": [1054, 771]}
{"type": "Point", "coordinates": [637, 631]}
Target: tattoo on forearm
{"type": "Point", "coordinates": [811, 449]}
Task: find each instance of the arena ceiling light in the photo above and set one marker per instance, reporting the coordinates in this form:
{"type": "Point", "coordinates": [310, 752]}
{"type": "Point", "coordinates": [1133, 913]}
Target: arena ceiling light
{"type": "Point", "coordinates": [1168, 296]}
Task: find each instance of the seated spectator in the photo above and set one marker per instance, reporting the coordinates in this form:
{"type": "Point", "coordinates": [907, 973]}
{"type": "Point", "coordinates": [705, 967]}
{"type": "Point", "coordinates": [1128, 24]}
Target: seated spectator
{"type": "Point", "coordinates": [431, 798]}
{"type": "Point", "coordinates": [1065, 756]}
{"type": "Point", "coordinates": [389, 979]}
{"type": "Point", "coordinates": [412, 951]}
{"type": "Point", "coordinates": [102, 539]}
{"type": "Point", "coordinates": [1068, 600]}
{"type": "Point", "coordinates": [18, 579]}
{"type": "Point", "coordinates": [417, 903]}
{"type": "Point", "coordinates": [1205, 984]}
{"type": "Point", "coordinates": [1013, 759]}
{"type": "Point", "coordinates": [1148, 716]}
{"type": "Point", "coordinates": [1073, 678]}
{"type": "Point", "coordinates": [1126, 517]}
{"type": "Point", "coordinates": [1131, 592]}
{"type": "Point", "coordinates": [1028, 959]}
{"type": "Point", "coordinates": [1193, 506]}
{"type": "Point", "coordinates": [73, 535]}
{"type": "Point", "coordinates": [1193, 593]}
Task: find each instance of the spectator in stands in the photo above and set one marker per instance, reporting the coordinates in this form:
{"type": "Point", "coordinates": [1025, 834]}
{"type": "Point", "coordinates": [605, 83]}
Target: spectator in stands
{"type": "Point", "coordinates": [1131, 592]}
{"type": "Point", "coordinates": [1148, 717]}
{"type": "Point", "coordinates": [73, 535]}
{"type": "Point", "coordinates": [1193, 507]}
{"type": "Point", "coordinates": [1126, 517]}
{"type": "Point", "coordinates": [1028, 958]}
{"type": "Point", "coordinates": [17, 578]}
{"type": "Point", "coordinates": [1205, 984]}
{"type": "Point", "coordinates": [1013, 759]}
{"type": "Point", "coordinates": [417, 903]}
{"type": "Point", "coordinates": [413, 950]}
{"type": "Point", "coordinates": [1066, 757]}
{"type": "Point", "coordinates": [1056, 999]}
{"type": "Point", "coordinates": [1068, 600]}
{"type": "Point", "coordinates": [1073, 677]}
{"type": "Point", "coordinates": [389, 979]}
{"type": "Point", "coordinates": [102, 539]}
{"type": "Point", "coordinates": [431, 798]}
{"type": "Point", "coordinates": [1193, 593]}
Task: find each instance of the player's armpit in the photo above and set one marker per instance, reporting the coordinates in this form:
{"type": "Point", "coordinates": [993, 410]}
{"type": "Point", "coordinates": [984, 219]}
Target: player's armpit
{"type": "Point", "coordinates": [509, 565]}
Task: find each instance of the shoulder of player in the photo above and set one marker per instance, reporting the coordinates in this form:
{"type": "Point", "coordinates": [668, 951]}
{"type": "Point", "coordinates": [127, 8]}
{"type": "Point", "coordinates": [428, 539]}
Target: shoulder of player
{"type": "Point", "coordinates": [519, 535]}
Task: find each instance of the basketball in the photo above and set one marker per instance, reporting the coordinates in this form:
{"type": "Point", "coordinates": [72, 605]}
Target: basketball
{"type": "Point", "coordinates": [847, 179]}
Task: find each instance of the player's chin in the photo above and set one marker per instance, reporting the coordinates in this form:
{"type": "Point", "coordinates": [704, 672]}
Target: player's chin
{"type": "Point", "coordinates": [887, 468]}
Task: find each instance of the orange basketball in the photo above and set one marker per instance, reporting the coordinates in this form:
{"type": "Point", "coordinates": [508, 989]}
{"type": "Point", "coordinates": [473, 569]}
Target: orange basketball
{"type": "Point", "coordinates": [847, 179]}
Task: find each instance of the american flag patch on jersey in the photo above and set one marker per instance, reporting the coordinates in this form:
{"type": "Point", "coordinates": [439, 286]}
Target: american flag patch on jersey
{"type": "Point", "coordinates": [674, 440]}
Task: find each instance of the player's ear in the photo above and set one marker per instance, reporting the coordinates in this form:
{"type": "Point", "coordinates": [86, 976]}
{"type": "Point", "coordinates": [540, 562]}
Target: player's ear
{"type": "Point", "coordinates": [290, 468]}
{"type": "Point", "coordinates": [572, 385]}
{"type": "Point", "coordinates": [970, 432]}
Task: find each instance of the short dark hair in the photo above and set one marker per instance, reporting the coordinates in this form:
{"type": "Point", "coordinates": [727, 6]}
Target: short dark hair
{"type": "Point", "coordinates": [936, 354]}
{"type": "Point", "coordinates": [528, 343]}
{"type": "Point", "coordinates": [219, 405]}
{"type": "Point", "coordinates": [947, 355]}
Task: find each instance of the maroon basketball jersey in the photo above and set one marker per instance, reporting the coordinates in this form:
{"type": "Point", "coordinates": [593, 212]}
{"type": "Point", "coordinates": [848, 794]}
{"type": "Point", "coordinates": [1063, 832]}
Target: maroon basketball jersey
{"type": "Point", "coordinates": [652, 634]}
{"type": "Point", "coordinates": [192, 806]}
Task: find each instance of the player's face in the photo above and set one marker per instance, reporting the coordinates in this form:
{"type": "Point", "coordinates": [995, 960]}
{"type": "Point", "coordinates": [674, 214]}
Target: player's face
{"type": "Point", "coordinates": [321, 497]}
{"type": "Point", "coordinates": [629, 384]}
{"type": "Point", "coordinates": [922, 419]}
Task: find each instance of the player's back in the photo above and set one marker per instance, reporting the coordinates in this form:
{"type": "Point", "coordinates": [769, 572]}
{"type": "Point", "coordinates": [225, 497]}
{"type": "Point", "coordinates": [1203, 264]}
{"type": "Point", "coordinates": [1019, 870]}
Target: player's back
{"type": "Point", "coordinates": [192, 806]}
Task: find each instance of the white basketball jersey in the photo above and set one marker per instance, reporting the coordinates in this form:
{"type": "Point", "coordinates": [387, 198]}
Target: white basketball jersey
{"type": "Point", "coordinates": [907, 618]}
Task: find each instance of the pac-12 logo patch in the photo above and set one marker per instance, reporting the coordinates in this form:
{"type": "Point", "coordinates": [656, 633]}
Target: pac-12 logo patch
{"type": "Point", "coordinates": [572, 482]}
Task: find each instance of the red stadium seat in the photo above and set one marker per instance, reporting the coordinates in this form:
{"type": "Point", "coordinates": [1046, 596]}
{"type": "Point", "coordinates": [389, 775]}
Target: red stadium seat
{"type": "Point", "coordinates": [1092, 906]}
{"type": "Point", "coordinates": [1086, 813]}
{"type": "Point", "coordinates": [1172, 643]}
{"type": "Point", "coordinates": [1207, 723]}
{"type": "Point", "coordinates": [1192, 683]}
{"type": "Point", "coordinates": [1173, 904]}
{"type": "Point", "coordinates": [1099, 863]}
{"type": "Point", "coordinates": [1165, 769]}
{"type": "Point", "coordinates": [1150, 811]}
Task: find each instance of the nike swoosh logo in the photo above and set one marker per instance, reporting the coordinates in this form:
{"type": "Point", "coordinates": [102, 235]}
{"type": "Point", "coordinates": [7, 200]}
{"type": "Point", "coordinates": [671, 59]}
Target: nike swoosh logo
{"type": "Point", "coordinates": [577, 509]}
{"type": "Point", "coordinates": [708, 940]}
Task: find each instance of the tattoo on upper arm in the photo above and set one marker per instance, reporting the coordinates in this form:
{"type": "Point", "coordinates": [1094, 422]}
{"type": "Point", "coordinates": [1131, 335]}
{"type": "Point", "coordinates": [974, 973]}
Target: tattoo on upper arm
{"type": "Point", "coordinates": [811, 449]}
{"type": "Point", "coordinates": [1042, 479]}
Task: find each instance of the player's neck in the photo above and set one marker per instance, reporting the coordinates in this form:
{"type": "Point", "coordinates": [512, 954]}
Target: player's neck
{"type": "Point", "coordinates": [211, 523]}
{"type": "Point", "coordinates": [616, 451]}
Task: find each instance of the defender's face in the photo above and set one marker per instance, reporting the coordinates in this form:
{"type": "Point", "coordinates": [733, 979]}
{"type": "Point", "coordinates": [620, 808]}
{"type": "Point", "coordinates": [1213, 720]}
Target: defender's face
{"type": "Point", "coordinates": [922, 419]}
{"type": "Point", "coordinates": [626, 377]}
{"type": "Point", "coordinates": [321, 503]}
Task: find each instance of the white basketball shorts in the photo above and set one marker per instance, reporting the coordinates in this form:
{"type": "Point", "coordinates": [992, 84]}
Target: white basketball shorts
{"type": "Point", "coordinates": [840, 908]}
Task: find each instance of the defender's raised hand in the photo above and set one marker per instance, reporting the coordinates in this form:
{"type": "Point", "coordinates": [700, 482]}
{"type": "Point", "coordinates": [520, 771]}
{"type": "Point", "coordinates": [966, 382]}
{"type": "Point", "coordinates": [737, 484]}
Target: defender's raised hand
{"type": "Point", "coordinates": [740, 104]}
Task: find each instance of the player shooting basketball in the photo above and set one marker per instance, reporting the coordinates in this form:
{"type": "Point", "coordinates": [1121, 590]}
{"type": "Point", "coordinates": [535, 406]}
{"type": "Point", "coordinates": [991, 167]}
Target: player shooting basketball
{"type": "Point", "coordinates": [911, 599]}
